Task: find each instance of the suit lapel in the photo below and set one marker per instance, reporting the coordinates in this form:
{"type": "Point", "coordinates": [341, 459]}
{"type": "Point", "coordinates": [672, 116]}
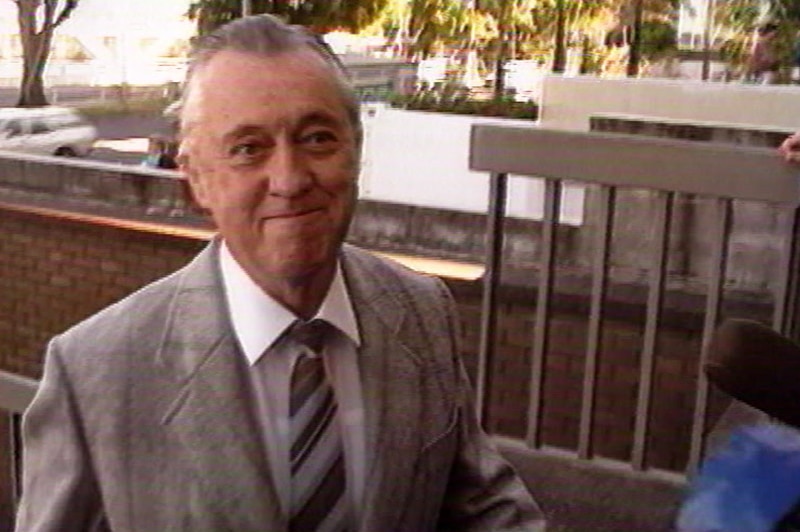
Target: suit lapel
{"type": "Point", "coordinates": [211, 411]}
{"type": "Point", "coordinates": [391, 377]}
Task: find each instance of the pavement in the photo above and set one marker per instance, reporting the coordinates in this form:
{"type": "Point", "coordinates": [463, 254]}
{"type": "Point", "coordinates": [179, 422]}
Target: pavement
{"type": "Point", "coordinates": [581, 496]}
{"type": "Point", "coordinates": [122, 138]}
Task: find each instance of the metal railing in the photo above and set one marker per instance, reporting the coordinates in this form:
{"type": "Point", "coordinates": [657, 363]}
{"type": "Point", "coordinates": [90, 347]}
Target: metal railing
{"type": "Point", "coordinates": [669, 167]}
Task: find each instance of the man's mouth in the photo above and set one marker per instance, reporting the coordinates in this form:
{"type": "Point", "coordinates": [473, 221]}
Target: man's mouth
{"type": "Point", "coordinates": [295, 213]}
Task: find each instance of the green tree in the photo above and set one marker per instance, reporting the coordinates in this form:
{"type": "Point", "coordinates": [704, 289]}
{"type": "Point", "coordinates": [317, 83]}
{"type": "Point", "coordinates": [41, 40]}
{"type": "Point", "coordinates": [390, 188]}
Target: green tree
{"type": "Point", "coordinates": [320, 15]}
{"type": "Point", "coordinates": [786, 10]}
{"type": "Point", "coordinates": [558, 21]}
{"type": "Point", "coordinates": [421, 27]}
{"type": "Point", "coordinates": [37, 20]}
{"type": "Point", "coordinates": [644, 17]}
{"type": "Point", "coordinates": [736, 22]}
{"type": "Point", "coordinates": [436, 23]}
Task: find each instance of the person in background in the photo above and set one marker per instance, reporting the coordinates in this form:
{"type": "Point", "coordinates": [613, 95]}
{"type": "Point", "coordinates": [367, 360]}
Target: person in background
{"type": "Point", "coordinates": [161, 153]}
{"type": "Point", "coordinates": [283, 380]}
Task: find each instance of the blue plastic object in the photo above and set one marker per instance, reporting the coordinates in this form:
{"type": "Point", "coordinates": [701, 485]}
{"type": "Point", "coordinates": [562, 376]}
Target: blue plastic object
{"type": "Point", "coordinates": [748, 485]}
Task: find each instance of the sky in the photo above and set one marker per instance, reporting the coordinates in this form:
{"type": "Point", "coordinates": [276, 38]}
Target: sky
{"type": "Point", "coordinates": [108, 17]}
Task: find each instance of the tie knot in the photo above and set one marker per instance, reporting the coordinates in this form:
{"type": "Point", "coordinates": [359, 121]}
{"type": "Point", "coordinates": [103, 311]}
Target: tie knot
{"type": "Point", "coordinates": [312, 333]}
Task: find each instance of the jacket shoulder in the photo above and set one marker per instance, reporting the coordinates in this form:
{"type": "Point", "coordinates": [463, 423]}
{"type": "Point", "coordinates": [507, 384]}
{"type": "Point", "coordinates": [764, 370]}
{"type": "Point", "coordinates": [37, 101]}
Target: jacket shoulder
{"type": "Point", "coordinates": [390, 272]}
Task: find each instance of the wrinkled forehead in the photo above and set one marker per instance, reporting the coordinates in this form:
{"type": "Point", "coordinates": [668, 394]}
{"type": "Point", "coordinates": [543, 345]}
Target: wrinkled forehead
{"type": "Point", "coordinates": [231, 74]}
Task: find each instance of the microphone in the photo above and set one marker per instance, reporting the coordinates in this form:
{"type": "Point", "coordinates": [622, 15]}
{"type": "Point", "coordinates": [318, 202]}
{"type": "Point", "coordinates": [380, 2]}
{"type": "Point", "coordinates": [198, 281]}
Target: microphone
{"type": "Point", "coordinates": [757, 366]}
{"type": "Point", "coordinates": [752, 482]}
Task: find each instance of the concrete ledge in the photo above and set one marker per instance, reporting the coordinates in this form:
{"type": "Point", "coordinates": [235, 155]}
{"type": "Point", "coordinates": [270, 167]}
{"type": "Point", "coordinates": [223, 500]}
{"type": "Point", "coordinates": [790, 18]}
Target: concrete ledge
{"type": "Point", "coordinates": [456, 270]}
{"type": "Point", "coordinates": [580, 496]}
{"type": "Point", "coordinates": [121, 186]}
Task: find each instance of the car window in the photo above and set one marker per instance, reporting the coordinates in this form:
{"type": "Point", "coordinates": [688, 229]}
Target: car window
{"type": "Point", "coordinates": [39, 127]}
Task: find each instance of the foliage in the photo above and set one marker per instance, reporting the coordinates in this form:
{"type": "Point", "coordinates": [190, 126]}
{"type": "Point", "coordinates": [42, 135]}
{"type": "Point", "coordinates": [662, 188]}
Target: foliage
{"type": "Point", "coordinates": [659, 39]}
{"type": "Point", "coordinates": [38, 19]}
{"type": "Point", "coordinates": [421, 28]}
{"type": "Point", "coordinates": [522, 29]}
{"type": "Point", "coordinates": [786, 10]}
{"type": "Point", "coordinates": [453, 99]}
{"type": "Point", "coordinates": [433, 23]}
{"type": "Point", "coordinates": [738, 20]}
{"type": "Point", "coordinates": [320, 15]}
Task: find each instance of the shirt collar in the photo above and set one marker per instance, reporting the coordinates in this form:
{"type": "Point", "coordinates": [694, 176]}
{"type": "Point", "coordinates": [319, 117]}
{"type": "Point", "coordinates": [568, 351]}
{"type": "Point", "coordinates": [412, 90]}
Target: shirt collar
{"type": "Point", "coordinates": [258, 319]}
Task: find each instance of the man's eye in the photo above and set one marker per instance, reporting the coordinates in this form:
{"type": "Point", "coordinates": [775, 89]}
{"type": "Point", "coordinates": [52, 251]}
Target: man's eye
{"type": "Point", "coordinates": [319, 139]}
{"type": "Point", "coordinates": [246, 149]}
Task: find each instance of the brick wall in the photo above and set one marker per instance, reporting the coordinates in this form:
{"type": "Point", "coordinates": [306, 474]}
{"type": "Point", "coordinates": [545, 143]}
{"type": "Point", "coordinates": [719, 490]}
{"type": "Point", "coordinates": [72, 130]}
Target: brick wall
{"type": "Point", "coordinates": [618, 372]}
{"type": "Point", "coordinates": [56, 271]}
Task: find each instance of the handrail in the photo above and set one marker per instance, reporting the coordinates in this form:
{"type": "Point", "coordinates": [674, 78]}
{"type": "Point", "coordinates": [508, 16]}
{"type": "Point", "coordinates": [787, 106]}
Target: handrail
{"type": "Point", "coordinates": [667, 169]}
{"type": "Point", "coordinates": [16, 392]}
{"type": "Point", "coordinates": [641, 162]}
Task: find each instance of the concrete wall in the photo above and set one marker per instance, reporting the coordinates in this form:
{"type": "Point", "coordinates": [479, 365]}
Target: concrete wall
{"type": "Point", "coordinates": [95, 187]}
{"type": "Point", "coordinates": [568, 102]}
{"type": "Point", "coordinates": [421, 159]}
{"type": "Point", "coordinates": [757, 242]}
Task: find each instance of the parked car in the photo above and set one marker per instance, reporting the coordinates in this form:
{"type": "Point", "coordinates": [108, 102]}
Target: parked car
{"type": "Point", "coordinates": [46, 131]}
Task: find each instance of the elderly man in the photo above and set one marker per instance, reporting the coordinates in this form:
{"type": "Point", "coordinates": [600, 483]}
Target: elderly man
{"type": "Point", "coordinates": [282, 380]}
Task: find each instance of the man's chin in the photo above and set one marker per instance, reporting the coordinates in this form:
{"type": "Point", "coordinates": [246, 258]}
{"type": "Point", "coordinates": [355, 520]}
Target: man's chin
{"type": "Point", "coordinates": [302, 271]}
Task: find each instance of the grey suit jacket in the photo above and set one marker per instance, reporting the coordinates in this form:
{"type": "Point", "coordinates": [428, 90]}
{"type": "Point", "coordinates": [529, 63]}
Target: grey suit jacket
{"type": "Point", "coordinates": [143, 420]}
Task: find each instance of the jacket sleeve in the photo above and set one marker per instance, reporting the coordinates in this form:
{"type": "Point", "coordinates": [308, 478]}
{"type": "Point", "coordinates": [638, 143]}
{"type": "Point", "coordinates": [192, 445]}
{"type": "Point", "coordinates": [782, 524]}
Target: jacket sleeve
{"type": "Point", "coordinates": [59, 491]}
{"type": "Point", "coordinates": [484, 491]}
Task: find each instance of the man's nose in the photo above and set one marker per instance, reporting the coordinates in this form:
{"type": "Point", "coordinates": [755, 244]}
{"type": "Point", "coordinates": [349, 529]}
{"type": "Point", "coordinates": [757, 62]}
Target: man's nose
{"type": "Point", "coordinates": [288, 174]}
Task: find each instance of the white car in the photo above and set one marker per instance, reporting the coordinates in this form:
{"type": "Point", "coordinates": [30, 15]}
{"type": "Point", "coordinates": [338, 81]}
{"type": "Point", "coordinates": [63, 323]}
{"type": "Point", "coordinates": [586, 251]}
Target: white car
{"type": "Point", "coordinates": [46, 131]}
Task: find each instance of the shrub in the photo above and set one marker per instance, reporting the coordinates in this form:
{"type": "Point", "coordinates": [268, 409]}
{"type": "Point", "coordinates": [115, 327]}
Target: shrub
{"type": "Point", "coordinates": [459, 100]}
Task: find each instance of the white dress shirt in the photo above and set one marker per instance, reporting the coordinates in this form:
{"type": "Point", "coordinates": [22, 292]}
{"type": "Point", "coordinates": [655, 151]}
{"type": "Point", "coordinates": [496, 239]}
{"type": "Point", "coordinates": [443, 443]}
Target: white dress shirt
{"type": "Point", "coordinates": [258, 321]}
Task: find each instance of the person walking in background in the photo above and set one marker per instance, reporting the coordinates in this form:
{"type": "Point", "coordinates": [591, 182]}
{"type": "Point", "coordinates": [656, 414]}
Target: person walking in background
{"type": "Point", "coordinates": [763, 63]}
{"type": "Point", "coordinates": [160, 153]}
{"type": "Point", "coordinates": [282, 381]}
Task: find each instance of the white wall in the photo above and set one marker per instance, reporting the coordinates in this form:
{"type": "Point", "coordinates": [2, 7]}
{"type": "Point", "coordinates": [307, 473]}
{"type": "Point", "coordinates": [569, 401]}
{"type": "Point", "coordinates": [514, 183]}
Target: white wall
{"type": "Point", "coordinates": [422, 159]}
{"type": "Point", "coordinates": [568, 102]}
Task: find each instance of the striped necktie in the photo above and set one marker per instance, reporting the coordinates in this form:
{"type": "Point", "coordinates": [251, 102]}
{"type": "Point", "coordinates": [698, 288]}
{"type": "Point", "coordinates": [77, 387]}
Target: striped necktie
{"type": "Point", "coordinates": [318, 501]}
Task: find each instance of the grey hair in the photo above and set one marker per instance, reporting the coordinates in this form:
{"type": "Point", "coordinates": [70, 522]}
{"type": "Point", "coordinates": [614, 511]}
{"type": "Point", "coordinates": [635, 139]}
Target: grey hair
{"type": "Point", "coordinates": [269, 36]}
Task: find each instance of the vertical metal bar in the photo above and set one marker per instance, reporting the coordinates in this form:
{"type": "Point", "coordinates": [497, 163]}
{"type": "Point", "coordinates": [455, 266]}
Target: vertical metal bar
{"type": "Point", "coordinates": [552, 207]}
{"type": "Point", "coordinates": [786, 297]}
{"type": "Point", "coordinates": [663, 219]}
{"type": "Point", "coordinates": [605, 227]}
{"type": "Point", "coordinates": [15, 448]}
{"type": "Point", "coordinates": [498, 186]}
{"type": "Point", "coordinates": [719, 260]}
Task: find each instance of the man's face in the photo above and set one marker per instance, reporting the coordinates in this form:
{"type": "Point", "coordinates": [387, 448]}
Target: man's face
{"type": "Point", "coordinates": [271, 153]}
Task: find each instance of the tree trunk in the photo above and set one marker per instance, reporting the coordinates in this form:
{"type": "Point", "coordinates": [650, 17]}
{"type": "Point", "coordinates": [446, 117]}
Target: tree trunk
{"type": "Point", "coordinates": [31, 92]}
{"type": "Point", "coordinates": [560, 52]}
{"type": "Point", "coordinates": [36, 40]}
{"type": "Point", "coordinates": [585, 55]}
{"type": "Point", "coordinates": [635, 50]}
{"type": "Point", "coordinates": [35, 50]}
{"type": "Point", "coordinates": [502, 51]}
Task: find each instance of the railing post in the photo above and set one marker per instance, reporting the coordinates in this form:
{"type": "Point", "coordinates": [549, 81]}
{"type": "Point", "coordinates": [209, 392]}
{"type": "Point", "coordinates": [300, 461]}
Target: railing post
{"type": "Point", "coordinates": [787, 313]}
{"type": "Point", "coordinates": [494, 251]}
